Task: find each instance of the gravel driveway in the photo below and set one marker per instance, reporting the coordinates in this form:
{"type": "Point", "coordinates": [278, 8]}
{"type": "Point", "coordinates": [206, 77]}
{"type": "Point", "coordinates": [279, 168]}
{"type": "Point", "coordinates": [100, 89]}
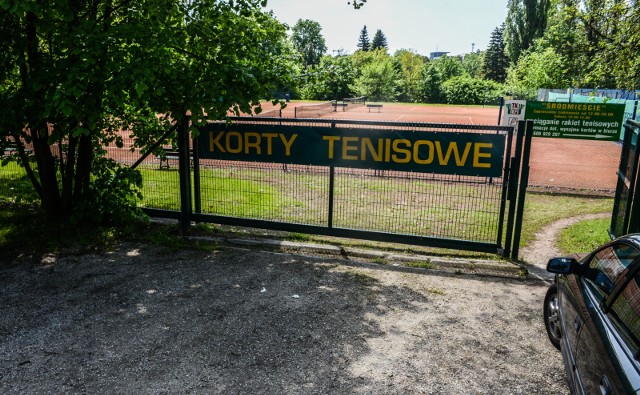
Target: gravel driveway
{"type": "Point", "coordinates": [142, 319]}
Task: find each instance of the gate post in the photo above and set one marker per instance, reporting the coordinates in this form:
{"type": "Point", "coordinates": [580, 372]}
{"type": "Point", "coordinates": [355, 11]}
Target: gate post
{"type": "Point", "coordinates": [625, 200]}
{"type": "Point", "coordinates": [522, 192]}
{"type": "Point", "coordinates": [184, 172]}
{"type": "Point", "coordinates": [512, 190]}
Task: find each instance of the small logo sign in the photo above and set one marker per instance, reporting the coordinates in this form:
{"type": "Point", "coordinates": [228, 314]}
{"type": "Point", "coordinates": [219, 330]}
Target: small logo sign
{"type": "Point", "coordinates": [513, 112]}
{"type": "Point", "coordinates": [514, 108]}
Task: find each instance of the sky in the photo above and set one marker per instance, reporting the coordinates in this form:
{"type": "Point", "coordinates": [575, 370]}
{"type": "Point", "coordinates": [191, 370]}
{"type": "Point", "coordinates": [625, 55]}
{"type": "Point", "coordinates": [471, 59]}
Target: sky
{"type": "Point", "coordinates": [422, 25]}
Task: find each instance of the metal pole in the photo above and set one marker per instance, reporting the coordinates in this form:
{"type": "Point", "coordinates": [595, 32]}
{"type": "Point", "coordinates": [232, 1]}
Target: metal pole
{"type": "Point", "coordinates": [184, 172]}
{"type": "Point", "coordinates": [332, 185]}
{"type": "Point", "coordinates": [197, 193]}
{"type": "Point", "coordinates": [513, 188]}
{"type": "Point", "coordinates": [500, 113]}
{"type": "Point", "coordinates": [524, 183]}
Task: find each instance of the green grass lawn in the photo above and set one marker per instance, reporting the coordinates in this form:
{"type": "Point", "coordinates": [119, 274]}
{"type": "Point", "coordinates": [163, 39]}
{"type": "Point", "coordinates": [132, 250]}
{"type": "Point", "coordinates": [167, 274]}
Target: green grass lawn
{"type": "Point", "coordinates": [584, 236]}
{"type": "Point", "coordinates": [382, 204]}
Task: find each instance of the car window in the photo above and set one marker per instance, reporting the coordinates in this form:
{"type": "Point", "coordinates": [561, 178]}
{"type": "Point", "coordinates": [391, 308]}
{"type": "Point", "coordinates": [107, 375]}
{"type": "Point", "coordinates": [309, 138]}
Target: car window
{"type": "Point", "coordinates": [606, 266]}
{"type": "Point", "coordinates": [625, 314]}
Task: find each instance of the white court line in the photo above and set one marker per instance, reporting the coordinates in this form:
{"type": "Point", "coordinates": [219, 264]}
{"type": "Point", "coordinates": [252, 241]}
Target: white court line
{"type": "Point", "coordinates": [399, 118]}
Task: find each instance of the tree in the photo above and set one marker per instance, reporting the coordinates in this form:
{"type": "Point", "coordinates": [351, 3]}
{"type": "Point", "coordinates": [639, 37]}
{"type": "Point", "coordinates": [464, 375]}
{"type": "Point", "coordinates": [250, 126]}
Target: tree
{"type": "Point", "coordinates": [410, 66]}
{"type": "Point", "coordinates": [435, 74]}
{"type": "Point", "coordinates": [430, 87]}
{"type": "Point", "coordinates": [379, 41]}
{"type": "Point", "coordinates": [378, 81]}
{"type": "Point", "coordinates": [472, 64]}
{"type": "Point", "coordinates": [468, 90]}
{"type": "Point", "coordinates": [76, 73]}
{"type": "Point", "coordinates": [357, 3]}
{"type": "Point", "coordinates": [307, 39]}
{"type": "Point", "coordinates": [495, 59]}
{"type": "Point", "coordinates": [526, 21]}
{"type": "Point", "coordinates": [363, 40]}
{"type": "Point", "coordinates": [329, 80]}
{"type": "Point", "coordinates": [536, 70]}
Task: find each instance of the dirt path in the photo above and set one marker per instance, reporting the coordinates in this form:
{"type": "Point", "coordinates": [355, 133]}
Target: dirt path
{"type": "Point", "coordinates": [543, 247]}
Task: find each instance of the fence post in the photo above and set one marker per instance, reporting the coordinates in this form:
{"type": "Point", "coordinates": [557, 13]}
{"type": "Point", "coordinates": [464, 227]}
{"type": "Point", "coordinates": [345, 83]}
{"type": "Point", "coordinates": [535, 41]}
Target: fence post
{"type": "Point", "coordinates": [197, 193]}
{"type": "Point", "coordinates": [512, 192]}
{"type": "Point", "coordinates": [184, 172]}
{"type": "Point", "coordinates": [522, 192]}
{"type": "Point", "coordinates": [332, 185]}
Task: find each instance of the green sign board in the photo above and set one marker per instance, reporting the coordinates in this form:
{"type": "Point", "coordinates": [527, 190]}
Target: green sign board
{"type": "Point", "coordinates": [587, 121]}
{"type": "Point", "coordinates": [427, 152]}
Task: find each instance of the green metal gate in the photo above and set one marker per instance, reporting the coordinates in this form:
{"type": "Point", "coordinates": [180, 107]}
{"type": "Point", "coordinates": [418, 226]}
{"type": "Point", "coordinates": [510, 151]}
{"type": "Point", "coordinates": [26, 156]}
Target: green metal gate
{"type": "Point", "coordinates": [248, 178]}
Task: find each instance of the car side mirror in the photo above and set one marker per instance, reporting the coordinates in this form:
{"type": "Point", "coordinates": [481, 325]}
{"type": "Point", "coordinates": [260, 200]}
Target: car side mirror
{"type": "Point", "coordinates": [562, 265]}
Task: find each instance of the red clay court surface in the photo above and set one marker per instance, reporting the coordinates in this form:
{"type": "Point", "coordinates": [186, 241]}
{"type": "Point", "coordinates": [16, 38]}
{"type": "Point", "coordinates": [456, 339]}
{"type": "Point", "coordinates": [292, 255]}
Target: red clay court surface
{"type": "Point", "coordinates": [554, 163]}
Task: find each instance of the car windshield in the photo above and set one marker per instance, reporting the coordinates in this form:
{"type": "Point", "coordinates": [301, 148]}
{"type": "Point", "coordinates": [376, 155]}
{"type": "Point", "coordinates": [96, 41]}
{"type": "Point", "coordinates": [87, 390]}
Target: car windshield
{"type": "Point", "coordinates": [606, 266]}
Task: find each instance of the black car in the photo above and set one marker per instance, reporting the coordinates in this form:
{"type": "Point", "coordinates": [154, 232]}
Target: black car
{"type": "Point", "coordinates": [592, 314]}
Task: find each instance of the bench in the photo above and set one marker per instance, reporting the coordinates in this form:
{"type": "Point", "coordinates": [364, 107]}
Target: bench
{"type": "Point", "coordinates": [11, 148]}
{"type": "Point", "coordinates": [377, 106]}
{"type": "Point", "coordinates": [343, 105]}
{"type": "Point", "coordinates": [170, 154]}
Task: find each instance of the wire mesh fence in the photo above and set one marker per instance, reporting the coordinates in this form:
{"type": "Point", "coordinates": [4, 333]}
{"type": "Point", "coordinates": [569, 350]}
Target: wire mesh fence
{"type": "Point", "coordinates": [420, 204]}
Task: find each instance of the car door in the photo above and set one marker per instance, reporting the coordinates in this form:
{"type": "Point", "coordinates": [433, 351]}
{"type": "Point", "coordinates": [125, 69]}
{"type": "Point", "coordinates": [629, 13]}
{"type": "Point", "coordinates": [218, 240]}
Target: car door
{"type": "Point", "coordinates": [597, 355]}
{"type": "Point", "coordinates": [624, 315]}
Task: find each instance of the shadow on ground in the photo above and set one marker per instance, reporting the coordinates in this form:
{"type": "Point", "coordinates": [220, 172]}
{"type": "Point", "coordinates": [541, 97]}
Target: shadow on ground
{"type": "Point", "coordinates": [145, 320]}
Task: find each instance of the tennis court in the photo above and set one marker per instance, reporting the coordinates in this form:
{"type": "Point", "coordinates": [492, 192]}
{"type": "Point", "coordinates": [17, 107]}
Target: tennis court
{"type": "Point", "coordinates": [556, 164]}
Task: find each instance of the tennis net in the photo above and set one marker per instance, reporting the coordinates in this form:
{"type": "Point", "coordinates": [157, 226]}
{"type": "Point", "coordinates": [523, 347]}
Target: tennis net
{"type": "Point", "coordinates": [354, 102]}
{"type": "Point", "coordinates": [275, 113]}
{"type": "Point", "coordinates": [313, 110]}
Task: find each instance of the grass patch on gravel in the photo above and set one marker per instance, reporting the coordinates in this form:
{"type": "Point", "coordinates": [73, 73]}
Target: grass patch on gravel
{"type": "Point", "coordinates": [544, 209]}
{"type": "Point", "coordinates": [584, 236]}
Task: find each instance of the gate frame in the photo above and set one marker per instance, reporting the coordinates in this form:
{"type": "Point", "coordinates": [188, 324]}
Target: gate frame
{"type": "Point", "coordinates": [515, 177]}
{"type": "Point", "coordinates": [631, 215]}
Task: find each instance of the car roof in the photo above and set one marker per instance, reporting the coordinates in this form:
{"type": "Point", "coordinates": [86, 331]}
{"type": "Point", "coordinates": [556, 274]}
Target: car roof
{"type": "Point", "coordinates": [633, 238]}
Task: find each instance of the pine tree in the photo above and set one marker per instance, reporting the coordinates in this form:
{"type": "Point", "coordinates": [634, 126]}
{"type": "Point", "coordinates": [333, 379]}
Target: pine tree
{"type": "Point", "coordinates": [379, 41]}
{"type": "Point", "coordinates": [363, 40]}
{"type": "Point", "coordinates": [495, 58]}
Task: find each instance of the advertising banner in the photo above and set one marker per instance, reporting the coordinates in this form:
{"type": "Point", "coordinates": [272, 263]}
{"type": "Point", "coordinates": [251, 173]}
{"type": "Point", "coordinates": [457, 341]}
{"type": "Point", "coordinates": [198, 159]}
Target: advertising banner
{"type": "Point", "coordinates": [471, 154]}
{"type": "Point", "coordinates": [587, 121]}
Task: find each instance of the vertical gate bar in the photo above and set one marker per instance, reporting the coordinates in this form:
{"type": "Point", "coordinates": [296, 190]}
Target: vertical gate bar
{"type": "Point", "coordinates": [622, 171]}
{"type": "Point", "coordinates": [197, 193]}
{"type": "Point", "coordinates": [514, 174]}
{"type": "Point", "coordinates": [522, 193]}
{"type": "Point", "coordinates": [500, 112]}
{"type": "Point", "coordinates": [184, 172]}
{"type": "Point", "coordinates": [332, 185]}
{"type": "Point", "coordinates": [632, 184]}
{"type": "Point", "coordinates": [505, 185]}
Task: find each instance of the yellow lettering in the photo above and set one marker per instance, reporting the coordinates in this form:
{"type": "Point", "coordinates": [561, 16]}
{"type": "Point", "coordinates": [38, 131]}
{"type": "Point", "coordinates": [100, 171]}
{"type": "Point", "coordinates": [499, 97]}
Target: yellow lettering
{"type": "Point", "coordinates": [331, 140]}
{"type": "Point", "coordinates": [405, 151]}
{"type": "Point", "coordinates": [387, 150]}
{"type": "Point", "coordinates": [215, 142]}
{"type": "Point", "coordinates": [453, 148]}
{"type": "Point", "coordinates": [252, 144]}
{"type": "Point", "coordinates": [269, 137]}
{"type": "Point", "coordinates": [238, 141]}
{"type": "Point", "coordinates": [348, 147]}
{"type": "Point", "coordinates": [287, 144]}
{"type": "Point", "coordinates": [477, 155]}
{"type": "Point", "coordinates": [367, 145]}
{"type": "Point", "coordinates": [416, 152]}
